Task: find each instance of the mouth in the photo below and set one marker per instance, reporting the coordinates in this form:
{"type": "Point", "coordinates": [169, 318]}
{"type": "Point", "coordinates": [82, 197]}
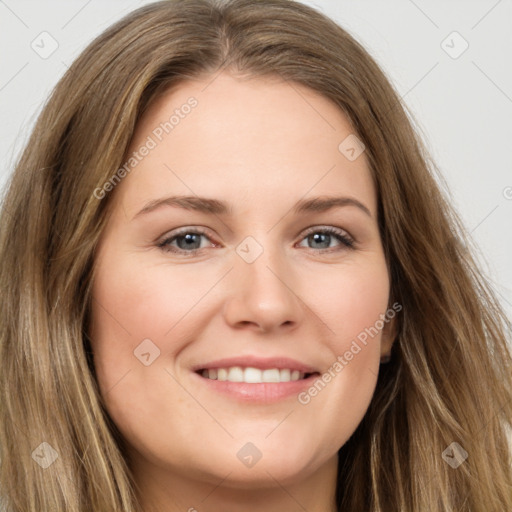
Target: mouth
{"type": "Point", "coordinates": [251, 385]}
{"type": "Point", "coordinates": [252, 375]}
{"type": "Point", "coordinates": [251, 378]}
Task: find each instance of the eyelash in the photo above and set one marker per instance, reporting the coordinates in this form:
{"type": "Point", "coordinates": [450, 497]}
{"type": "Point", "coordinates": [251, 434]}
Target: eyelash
{"type": "Point", "coordinates": [346, 241]}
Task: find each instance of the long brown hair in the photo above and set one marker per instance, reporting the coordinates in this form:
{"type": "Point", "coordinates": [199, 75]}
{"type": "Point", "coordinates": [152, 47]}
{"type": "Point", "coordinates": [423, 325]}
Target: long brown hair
{"type": "Point", "coordinates": [450, 377]}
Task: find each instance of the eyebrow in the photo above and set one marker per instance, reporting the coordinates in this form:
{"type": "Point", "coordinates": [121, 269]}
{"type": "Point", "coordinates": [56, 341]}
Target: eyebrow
{"type": "Point", "coordinates": [216, 207]}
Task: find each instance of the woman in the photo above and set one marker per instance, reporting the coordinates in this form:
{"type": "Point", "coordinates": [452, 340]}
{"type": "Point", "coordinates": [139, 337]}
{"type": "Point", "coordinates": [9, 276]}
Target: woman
{"type": "Point", "coordinates": [256, 371]}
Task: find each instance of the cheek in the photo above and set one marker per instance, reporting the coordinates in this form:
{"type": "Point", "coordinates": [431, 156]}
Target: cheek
{"type": "Point", "coordinates": [352, 307]}
{"type": "Point", "coordinates": [138, 309]}
{"type": "Point", "coordinates": [134, 301]}
{"type": "Point", "coordinates": [350, 303]}
{"type": "Point", "coordinates": [137, 305]}
{"type": "Point", "coordinates": [145, 301]}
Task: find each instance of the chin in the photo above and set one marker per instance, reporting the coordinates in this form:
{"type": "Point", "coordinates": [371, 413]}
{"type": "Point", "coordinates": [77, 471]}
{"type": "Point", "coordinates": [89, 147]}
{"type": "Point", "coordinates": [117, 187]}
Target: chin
{"type": "Point", "coordinates": [285, 465]}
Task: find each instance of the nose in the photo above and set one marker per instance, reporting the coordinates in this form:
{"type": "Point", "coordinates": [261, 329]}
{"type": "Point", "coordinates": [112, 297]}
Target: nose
{"type": "Point", "coordinates": [263, 295]}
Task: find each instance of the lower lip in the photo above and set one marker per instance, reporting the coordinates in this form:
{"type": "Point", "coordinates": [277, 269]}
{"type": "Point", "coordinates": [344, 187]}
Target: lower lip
{"type": "Point", "coordinates": [264, 392]}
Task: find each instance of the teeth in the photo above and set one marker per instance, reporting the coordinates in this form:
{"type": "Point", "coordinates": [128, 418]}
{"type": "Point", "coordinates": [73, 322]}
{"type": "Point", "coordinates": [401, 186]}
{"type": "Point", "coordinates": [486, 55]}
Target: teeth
{"type": "Point", "coordinates": [252, 375]}
{"type": "Point", "coordinates": [284, 375]}
{"type": "Point", "coordinates": [236, 374]}
{"type": "Point", "coordinates": [270, 375]}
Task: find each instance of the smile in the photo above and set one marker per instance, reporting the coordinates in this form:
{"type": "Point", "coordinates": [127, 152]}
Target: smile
{"type": "Point", "coordinates": [253, 375]}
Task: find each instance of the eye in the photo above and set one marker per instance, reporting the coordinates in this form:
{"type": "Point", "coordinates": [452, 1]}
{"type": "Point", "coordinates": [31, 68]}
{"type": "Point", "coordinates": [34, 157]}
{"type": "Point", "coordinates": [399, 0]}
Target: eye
{"type": "Point", "coordinates": [188, 240]}
{"type": "Point", "coordinates": [323, 237]}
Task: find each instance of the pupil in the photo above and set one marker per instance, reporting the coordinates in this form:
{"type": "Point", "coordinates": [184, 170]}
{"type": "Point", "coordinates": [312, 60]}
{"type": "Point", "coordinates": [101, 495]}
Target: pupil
{"type": "Point", "coordinates": [189, 238]}
{"type": "Point", "coordinates": [317, 235]}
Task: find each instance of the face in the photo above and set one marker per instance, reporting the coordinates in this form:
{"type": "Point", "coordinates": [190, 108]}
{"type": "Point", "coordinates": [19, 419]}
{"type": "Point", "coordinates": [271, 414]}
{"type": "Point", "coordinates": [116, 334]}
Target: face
{"type": "Point", "coordinates": [255, 282]}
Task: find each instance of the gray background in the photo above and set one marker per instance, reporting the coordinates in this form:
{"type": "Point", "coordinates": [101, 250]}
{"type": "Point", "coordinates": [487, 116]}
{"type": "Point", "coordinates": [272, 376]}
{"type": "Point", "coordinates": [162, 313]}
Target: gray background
{"type": "Point", "coordinates": [462, 103]}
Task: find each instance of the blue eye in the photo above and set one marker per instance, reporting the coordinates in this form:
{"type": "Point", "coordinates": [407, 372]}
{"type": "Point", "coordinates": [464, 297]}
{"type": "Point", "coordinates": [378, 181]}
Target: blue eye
{"type": "Point", "coordinates": [318, 236]}
{"type": "Point", "coordinates": [188, 241]}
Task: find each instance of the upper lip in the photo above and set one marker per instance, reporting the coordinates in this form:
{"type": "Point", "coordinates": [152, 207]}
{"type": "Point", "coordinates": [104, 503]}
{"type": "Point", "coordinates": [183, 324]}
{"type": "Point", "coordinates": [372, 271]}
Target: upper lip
{"type": "Point", "coordinates": [263, 363]}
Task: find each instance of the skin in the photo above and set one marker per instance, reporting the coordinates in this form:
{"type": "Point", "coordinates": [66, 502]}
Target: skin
{"type": "Point", "coordinates": [261, 145]}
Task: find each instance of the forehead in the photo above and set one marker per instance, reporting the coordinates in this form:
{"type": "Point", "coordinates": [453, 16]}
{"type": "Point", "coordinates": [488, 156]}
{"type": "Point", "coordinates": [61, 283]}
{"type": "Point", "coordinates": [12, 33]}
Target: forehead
{"type": "Point", "coordinates": [245, 140]}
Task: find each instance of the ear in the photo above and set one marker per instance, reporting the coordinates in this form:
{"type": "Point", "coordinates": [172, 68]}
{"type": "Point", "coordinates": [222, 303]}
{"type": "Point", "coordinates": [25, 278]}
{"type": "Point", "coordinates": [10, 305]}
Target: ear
{"type": "Point", "coordinates": [389, 334]}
